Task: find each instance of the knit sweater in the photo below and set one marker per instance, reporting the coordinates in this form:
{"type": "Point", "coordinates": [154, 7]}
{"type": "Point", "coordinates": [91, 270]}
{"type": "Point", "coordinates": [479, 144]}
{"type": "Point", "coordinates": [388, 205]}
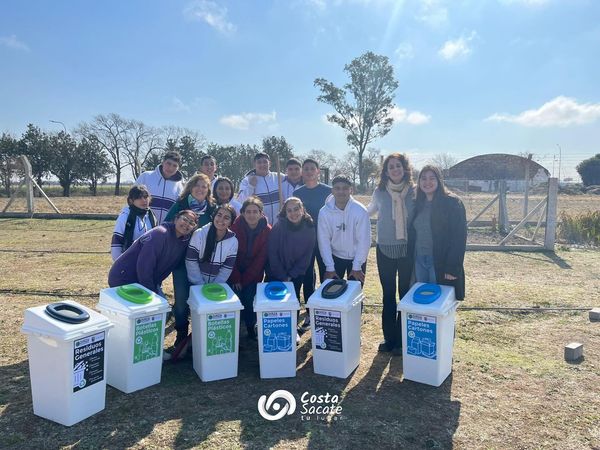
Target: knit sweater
{"type": "Point", "coordinates": [290, 249]}
{"type": "Point", "coordinates": [150, 259]}
{"type": "Point", "coordinates": [222, 260]}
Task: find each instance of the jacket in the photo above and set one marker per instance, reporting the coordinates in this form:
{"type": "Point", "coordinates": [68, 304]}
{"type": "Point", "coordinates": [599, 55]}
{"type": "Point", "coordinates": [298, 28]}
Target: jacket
{"type": "Point", "coordinates": [222, 260]}
{"type": "Point", "coordinates": [142, 224]}
{"type": "Point", "coordinates": [344, 233]}
{"type": "Point", "coordinates": [449, 233]}
{"type": "Point", "coordinates": [181, 205]}
{"type": "Point", "coordinates": [254, 272]}
{"type": "Point", "coordinates": [164, 192]}
{"type": "Point", "coordinates": [290, 249]}
{"type": "Point", "coordinates": [150, 259]}
{"type": "Point", "coordinates": [267, 189]}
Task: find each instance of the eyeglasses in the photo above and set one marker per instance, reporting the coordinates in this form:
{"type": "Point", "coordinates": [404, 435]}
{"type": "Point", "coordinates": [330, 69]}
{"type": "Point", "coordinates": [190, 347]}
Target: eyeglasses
{"type": "Point", "coordinates": [189, 221]}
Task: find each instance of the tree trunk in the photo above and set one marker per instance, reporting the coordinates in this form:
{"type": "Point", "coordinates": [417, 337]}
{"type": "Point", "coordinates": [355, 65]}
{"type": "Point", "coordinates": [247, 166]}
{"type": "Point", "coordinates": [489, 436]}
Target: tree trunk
{"type": "Point", "coordinates": [118, 182]}
{"type": "Point", "coordinates": [361, 172]}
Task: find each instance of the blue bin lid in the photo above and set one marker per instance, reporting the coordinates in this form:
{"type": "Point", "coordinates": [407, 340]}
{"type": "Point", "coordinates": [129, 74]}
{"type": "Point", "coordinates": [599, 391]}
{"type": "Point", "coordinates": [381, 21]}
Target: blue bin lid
{"type": "Point", "coordinates": [276, 290]}
{"type": "Point", "coordinates": [427, 293]}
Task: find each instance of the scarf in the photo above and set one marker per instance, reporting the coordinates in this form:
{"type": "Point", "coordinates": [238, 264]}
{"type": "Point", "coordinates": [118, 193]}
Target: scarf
{"type": "Point", "coordinates": [196, 206]}
{"type": "Point", "coordinates": [398, 193]}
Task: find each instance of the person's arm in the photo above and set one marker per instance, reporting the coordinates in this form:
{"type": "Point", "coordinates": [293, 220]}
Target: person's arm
{"type": "Point", "coordinates": [324, 234]}
{"type": "Point", "coordinates": [118, 237]}
{"type": "Point", "coordinates": [192, 257]}
{"type": "Point", "coordinates": [457, 222]}
{"type": "Point", "coordinates": [246, 188]}
{"type": "Point", "coordinates": [172, 212]}
{"type": "Point", "coordinates": [236, 275]}
{"type": "Point", "coordinates": [229, 262]}
{"type": "Point", "coordinates": [373, 206]}
{"type": "Point", "coordinates": [362, 240]}
{"type": "Point", "coordinates": [153, 243]}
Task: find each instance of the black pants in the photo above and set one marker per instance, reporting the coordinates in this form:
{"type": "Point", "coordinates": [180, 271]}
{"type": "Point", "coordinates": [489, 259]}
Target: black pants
{"type": "Point", "coordinates": [343, 267]}
{"type": "Point", "coordinates": [389, 269]}
{"type": "Point", "coordinates": [246, 296]}
{"type": "Point", "coordinates": [310, 277]}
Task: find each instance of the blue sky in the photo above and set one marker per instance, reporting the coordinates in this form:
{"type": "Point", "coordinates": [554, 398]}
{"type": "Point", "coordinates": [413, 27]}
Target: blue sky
{"type": "Point", "coordinates": [475, 77]}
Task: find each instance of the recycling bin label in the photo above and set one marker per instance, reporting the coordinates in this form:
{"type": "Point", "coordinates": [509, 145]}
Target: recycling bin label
{"type": "Point", "coordinates": [147, 338]}
{"type": "Point", "coordinates": [220, 333]}
{"type": "Point", "coordinates": [277, 331]}
{"type": "Point", "coordinates": [88, 361]}
{"type": "Point", "coordinates": [328, 330]}
{"type": "Point", "coordinates": [422, 336]}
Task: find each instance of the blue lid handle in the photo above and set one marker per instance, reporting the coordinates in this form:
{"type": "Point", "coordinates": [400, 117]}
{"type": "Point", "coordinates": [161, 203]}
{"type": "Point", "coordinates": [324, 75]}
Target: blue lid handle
{"type": "Point", "coordinates": [275, 290]}
{"type": "Point", "coordinates": [427, 293]}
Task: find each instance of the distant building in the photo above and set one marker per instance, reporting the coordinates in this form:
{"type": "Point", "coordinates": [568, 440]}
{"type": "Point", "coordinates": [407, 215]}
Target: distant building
{"type": "Point", "coordinates": [482, 173]}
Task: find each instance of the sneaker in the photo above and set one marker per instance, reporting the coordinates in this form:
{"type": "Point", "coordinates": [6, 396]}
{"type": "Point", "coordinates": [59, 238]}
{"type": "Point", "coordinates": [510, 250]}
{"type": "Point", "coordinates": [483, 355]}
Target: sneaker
{"type": "Point", "coordinates": [384, 348]}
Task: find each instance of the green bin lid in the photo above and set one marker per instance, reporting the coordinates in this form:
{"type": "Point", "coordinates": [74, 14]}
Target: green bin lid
{"type": "Point", "coordinates": [134, 294]}
{"type": "Point", "coordinates": [214, 292]}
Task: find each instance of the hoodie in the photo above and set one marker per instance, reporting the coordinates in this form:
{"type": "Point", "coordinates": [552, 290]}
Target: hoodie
{"type": "Point", "coordinates": [164, 191]}
{"type": "Point", "coordinates": [222, 260]}
{"type": "Point", "coordinates": [345, 233]}
{"type": "Point", "coordinates": [267, 189]}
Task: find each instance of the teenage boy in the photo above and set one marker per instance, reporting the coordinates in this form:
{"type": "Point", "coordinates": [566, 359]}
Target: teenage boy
{"type": "Point", "coordinates": [208, 166]}
{"type": "Point", "coordinates": [165, 183]}
{"type": "Point", "coordinates": [262, 183]}
{"type": "Point", "coordinates": [344, 233]}
{"type": "Point", "coordinates": [292, 179]}
{"type": "Point", "coordinates": [313, 195]}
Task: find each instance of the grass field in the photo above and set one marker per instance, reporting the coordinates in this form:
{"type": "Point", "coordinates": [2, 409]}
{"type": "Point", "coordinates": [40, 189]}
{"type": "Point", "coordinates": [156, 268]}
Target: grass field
{"type": "Point", "coordinates": [510, 386]}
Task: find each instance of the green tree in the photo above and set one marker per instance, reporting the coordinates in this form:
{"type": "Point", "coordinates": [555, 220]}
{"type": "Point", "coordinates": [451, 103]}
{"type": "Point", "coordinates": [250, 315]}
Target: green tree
{"type": "Point", "coordinates": [97, 166]}
{"type": "Point", "coordinates": [589, 170]}
{"type": "Point", "coordinates": [233, 161]}
{"type": "Point", "coordinates": [363, 106]}
{"type": "Point", "coordinates": [65, 161]}
{"type": "Point", "coordinates": [277, 147]}
{"type": "Point", "coordinates": [8, 152]}
{"type": "Point", "coordinates": [191, 154]}
{"type": "Point", "coordinates": [34, 145]}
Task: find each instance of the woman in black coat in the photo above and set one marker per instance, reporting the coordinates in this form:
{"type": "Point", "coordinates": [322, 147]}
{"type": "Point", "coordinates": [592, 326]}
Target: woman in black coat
{"type": "Point", "coordinates": [438, 233]}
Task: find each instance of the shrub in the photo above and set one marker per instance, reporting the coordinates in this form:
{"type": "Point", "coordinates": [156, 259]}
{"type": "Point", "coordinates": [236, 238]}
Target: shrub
{"type": "Point", "coordinates": [582, 228]}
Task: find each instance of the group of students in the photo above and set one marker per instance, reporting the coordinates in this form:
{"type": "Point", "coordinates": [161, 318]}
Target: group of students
{"type": "Point", "coordinates": [279, 226]}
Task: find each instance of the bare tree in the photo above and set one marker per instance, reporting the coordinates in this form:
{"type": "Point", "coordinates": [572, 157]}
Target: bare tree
{"type": "Point", "coordinates": [139, 142]}
{"type": "Point", "coordinates": [110, 132]}
{"type": "Point", "coordinates": [443, 160]}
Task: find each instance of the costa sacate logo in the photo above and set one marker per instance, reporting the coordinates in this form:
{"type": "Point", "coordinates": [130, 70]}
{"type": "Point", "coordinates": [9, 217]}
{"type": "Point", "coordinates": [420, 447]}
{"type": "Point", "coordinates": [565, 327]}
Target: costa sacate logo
{"type": "Point", "coordinates": [265, 404]}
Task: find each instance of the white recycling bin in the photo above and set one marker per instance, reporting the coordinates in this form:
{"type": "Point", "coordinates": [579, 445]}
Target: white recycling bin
{"type": "Point", "coordinates": [215, 311]}
{"type": "Point", "coordinates": [428, 315]}
{"type": "Point", "coordinates": [276, 308]}
{"type": "Point", "coordinates": [66, 344]}
{"type": "Point", "coordinates": [135, 345]}
{"type": "Point", "coordinates": [335, 310]}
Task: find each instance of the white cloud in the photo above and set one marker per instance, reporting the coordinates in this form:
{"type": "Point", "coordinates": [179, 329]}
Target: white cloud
{"type": "Point", "coordinates": [245, 120]}
{"type": "Point", "coordinates": [210, 13]}
{"type": "Point", "coordinates": [558, 112]}
{"type": "Point", "coordinates": [404, 51]}
{"type": "Point", "coordinates": [13, 43]}
{"type": "Point", "coordinates": [178, 105]}
{"type": "Point", "coordinates": [458, 48]}
{"type": "Point", "coordinates": [433, 12]}
{"type": "Point", "coordinates": [401, 115]}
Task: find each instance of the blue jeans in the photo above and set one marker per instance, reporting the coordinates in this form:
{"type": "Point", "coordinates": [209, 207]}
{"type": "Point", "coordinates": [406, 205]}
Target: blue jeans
{"type": "Point", "coordinates": [424, 269]}
{"type": "Point", "coordinates": [181, 310]}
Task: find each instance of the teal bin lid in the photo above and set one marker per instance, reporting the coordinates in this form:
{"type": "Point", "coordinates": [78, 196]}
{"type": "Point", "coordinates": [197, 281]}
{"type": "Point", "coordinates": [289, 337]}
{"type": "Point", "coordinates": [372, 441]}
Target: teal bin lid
{"type": "Point", "coordinates": [427, 293]}
{"type": "Point", "coordinates": [134, 294]}
{"type": "Point", "coordinates": [214, 292]}
{"type": "Point", "coordinates": [276, 290]}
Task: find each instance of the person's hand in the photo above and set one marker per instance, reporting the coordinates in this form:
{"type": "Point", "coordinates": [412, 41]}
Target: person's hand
{"type": "Point", "coordinates": [447, 276]}
{"type": "Point", "coordinates": [237, 286]}
{"type": "Point", "coordinates": [253, 180]}
{"type": "Point", "coordinates": [358, 275]}
{"type": "Point", "coordinates": [330, 275]}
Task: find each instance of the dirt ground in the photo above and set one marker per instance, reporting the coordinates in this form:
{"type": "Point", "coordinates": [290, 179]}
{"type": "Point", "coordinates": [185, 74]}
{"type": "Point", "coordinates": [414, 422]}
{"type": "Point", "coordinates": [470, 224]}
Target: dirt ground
{"type": "Point", "coordinates": [510, 386]}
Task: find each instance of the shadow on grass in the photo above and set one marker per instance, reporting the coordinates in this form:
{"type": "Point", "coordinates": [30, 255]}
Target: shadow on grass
{"type": "Point", "coordinates": [547, 257]}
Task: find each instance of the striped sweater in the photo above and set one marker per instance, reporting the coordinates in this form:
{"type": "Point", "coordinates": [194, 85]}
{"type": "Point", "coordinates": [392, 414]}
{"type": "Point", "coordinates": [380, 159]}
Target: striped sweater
{"type": "Point", "coordinates": [267, 189]}
{"type": "Point", "coordinates": [222, 260]}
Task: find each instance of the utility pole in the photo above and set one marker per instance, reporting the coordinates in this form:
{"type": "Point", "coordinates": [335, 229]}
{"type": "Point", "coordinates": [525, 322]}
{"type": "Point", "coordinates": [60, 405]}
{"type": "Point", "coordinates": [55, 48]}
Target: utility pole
{"type": "Point", "coordinates": [63, 125]}
{"type": "Point", "coordinates": [559, 161]}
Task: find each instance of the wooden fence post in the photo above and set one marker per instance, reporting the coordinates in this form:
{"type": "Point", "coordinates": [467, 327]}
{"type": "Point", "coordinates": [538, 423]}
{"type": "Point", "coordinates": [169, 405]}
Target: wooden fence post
{"type": "Point", "coordinates": [551, 213]}
{"type": "Point", "coordinates": [503, 223]}
{"type": "Point", "coordinates": [28, 183]}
